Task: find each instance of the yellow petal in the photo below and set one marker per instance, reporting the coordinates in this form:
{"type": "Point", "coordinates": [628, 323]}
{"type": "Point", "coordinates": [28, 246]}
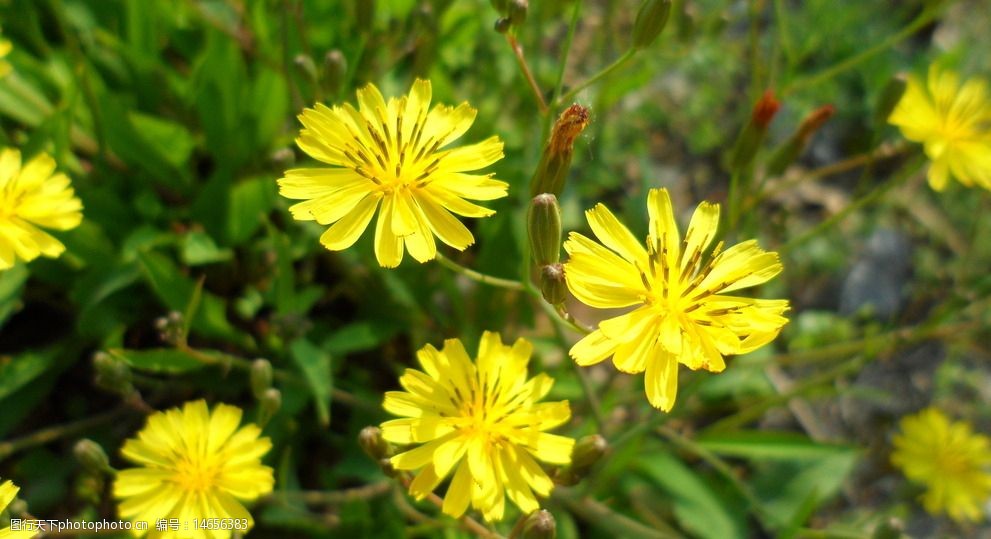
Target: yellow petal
{"type": "Point", "coordinates": [345, 232]}
{"type": "Point", "coordinates": [661, 382]}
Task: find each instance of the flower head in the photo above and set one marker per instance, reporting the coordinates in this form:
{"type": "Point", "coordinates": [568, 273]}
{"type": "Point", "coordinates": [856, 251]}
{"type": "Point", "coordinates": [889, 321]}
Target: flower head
{"type": "Point", "coordinates": [194, 464]}
{"type": "Point", "coordinates": [681, 313]}
{"type": "Point", "coordinates": [390, 156]}
{"type": "Point", "coordinates": [482, 420]}
{"type": "Point", "coordinates": [953, 462]}
{"type": "Point", "coordinates": [953, 123]}
{"type": "Point", "coordinates": [31, 197]}
{"type": "Point", "coordinates": [7, 493]}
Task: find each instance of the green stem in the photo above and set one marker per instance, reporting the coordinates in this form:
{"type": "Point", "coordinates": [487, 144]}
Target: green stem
{"type": "Point", "coordinates": [476, 276]}
{"type": "Point", "coordinates": [527, 74]}
{"type": "Point", "coordinates": [605, 72]}
{"type": "Point", "coordinates": [50, 434]}
{"type": "Point", "coordinates": [334, 497]}
{"type": "Point", "coordinates": [911, 168]}
{"type": "Point", "coordinates": [923, 19]}
{"type": "Point", "coordinates": [604, 518]}
{"type": "Point", "coordinates": [590, 396]}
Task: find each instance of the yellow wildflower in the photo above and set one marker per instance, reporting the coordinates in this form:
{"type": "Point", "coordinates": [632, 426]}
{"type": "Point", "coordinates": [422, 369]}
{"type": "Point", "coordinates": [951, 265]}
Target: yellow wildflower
{"type": "Point", "coordinates": [953, 123]}
{"type": "Point", "coordinates": [7, 493]}
{"type": "Point", "coordinates": [194, 464]}
{"type": "Point", "coordinates": [31, 197]}
{"type": "Point", "coordinates": [481, 420]}
{"type": "Point", "coordinates": [953, 462]}
{"type": "Point", "coordinates": [680, 314]}
{"type": "Point", "coordinates": [5, 48]}
{"type": "Point", "coordinates": [389, 156]}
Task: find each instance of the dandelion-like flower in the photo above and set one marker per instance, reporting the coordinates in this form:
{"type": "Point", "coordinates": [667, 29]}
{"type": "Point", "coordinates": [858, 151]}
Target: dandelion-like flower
{"type": "Point", "coordinates": [33, 196]}
{"type": "Point", "coordinates": [194, 464]}
{"type": "Point", "coordinates": [5, 48]}
{"type": "Point", "coordinates": [7, 493]}
{"type": "Point", "coordinates": [953, 123]}
{"type": "Point", "coordinates": [681, 311]}
{"type": "Point", "coordinates": [482, 420]}
{"type": "Point", "coordinates": [390, 157]}
{"type": "Point", "coordinates": [952, 461]}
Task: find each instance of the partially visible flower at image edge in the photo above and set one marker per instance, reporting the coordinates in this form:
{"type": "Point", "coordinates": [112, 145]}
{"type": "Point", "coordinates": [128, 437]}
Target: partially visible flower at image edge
{"type": "Point", "coordinates": [952, 461]}
{"type": "Point", "coordinates": [193, 464]}
{"type": "Point", "coordinates": [5, 48]}
{"type": "Point", "coordinates": [681, 313]}
{"type": "Point", "coordinates": [7, 494]}
{"type": "Point", "coordinates": [389, 156]}
{"type": "Point", "coordinates": [481, 420]}
{"type": "Point", "coordinates": [32, 197]}
{"type": "Point", "coordinates": [953, 123]}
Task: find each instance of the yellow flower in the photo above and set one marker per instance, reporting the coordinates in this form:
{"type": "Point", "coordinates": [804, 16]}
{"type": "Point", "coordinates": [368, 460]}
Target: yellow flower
{"type": "Point", "coordinates": [30, 197]}
{"type": "Point", "coordinates": [481, 420]}
{"type": "Point", "coordinates": [680, 314]}
{"type": "Point", "coordinates": [194, 464]}
{"type": "Point", "coordinates": [390, 154]}
{"type": "Point", "coordinates": [953, 462]}
{"type": "Point", "coordinates": [953, 122]}
{"type": "Point", "coordinates": [5, 48]}
{"type": "Point", "coordinates": [7, 493]}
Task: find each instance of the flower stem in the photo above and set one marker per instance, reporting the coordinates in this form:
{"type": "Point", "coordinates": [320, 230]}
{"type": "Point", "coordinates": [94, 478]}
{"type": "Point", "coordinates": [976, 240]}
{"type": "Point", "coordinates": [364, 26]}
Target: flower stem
{"type": "Point", "coordinates": [605, 518]}
{"type": "Point", "coordinates": [527, 74]}
{"type": "Point", "coordinates": [50, 434]}
{"type": "Point", "coordinates": [334, 497]}
{"type": "Point", "coordinates": [608, 70]}
{"type": "Point", "coordinates": [476, 276]}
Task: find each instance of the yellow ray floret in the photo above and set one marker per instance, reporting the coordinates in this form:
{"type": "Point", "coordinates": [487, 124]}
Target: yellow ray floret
{"type": "Point", "coordinates": [7, 494]}
{"type": "Point", "coordinates": [953, 123]}
{"type": "Point", "coordinates": [33, 197]}
{"type": "Point", "coordinates": [391, 158]}
{"type": "Point", "coordinates": [194, 464]}
{"type": "Point", "coordinates": [952, 461]}
{"type": "Point", "coordinates": [681, 312]}
{"type": "Point", "coordinates": [481, 420]}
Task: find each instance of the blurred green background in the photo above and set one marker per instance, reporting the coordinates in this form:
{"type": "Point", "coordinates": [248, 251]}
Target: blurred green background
{"type": "Point", "coordinates": [175, 118]}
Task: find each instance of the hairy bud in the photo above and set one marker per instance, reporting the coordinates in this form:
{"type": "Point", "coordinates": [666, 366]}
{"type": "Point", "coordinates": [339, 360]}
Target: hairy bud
{"type": "Point", "coordinates": [556, 159]}
{"type": "Point", "coordinates": [543, 226]}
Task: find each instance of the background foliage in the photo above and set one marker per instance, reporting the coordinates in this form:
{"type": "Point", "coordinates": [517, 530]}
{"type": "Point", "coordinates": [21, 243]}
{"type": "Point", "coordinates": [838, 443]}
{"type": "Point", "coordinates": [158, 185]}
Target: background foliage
{"type": "Point", "coordinates": [174, 120]}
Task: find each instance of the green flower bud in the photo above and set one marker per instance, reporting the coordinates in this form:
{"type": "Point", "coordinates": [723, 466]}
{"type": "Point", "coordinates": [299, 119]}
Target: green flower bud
{"type": "Point", "coordinates": [552, 285]}
{"type": "Point", "coordinates": [889, 98]}
{"type": "Point", "coordinates": [91, 456]}
{"type": "Point", "coordinates": [543, 226]}
{"type": "Point", "coordinates": [261, 377]}
{"type": "Point", "coordinates": [112, 374]}
{"type": "Point", "coordinates": [540, 525]}
{"type": "Point", "coordinates": [651, 19]}
{"type": "Point", "coordinates": [306, 67]}
{"type": "Point", "coordinates": [335, 70]}
{"type": "Point", "coordinates": [752, 136]}
{"type": "Point", "coordinates": [371, 441]}
{"type": "Point", "coordinates": [517, 11]}
{"type": "Point", "coordinates": [503, 25]}
{"type": "Point", "coordinates": [587, 451]}
{"type": "Point", "coordinates": [556, 159]}
{"type": "Point", "coordinates": [890, 529]}
{"type": "Point", "coordinates": [268, 405]}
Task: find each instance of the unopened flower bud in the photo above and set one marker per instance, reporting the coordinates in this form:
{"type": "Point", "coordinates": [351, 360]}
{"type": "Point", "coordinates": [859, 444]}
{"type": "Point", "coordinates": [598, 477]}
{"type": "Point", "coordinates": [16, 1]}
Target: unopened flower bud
{"type": "Point", "coordinates": [371, 441]}
{"type": "Point", "coordinates": [112, 374]}
{"type": "Point", "coordinates": [552, 285]}
{"type": "Point", "coordinates": [587, 452]}
{"type": "Point", "coordinates": [387, 468]}
{"type": "Point", "coordinates": [335, 70]}
{"type": "Point", "coordinates": [261, 377]}
{"type": "Point", "coordinates": [517, 11]}
{"type": "Point", "coordinates": [91, 456]}
{"type": "Point", "coordinates": [540, 525]}
{"type": "Point", "coordinates": [889, 98]}
{"type": "Point", "coordinates": [753, 134]}
{"type": "Point", "coordinates": [268, 405]}
{"type": "Point", "coordinates": [556, 159]}
{"type": "Point", "coordinates": [170, 327]}
{"type": "Point", "coordinates": [889, 529]}
{"type": "Point", "coordinates": [651, 20]}
{"type": "Point", "coordinates": [543, 226]}
{"type": "Point", "coordinates": [500, 5]}
{"type": "Point", "coordinates": [502, 25]}
{"type": "Point", "coordinates": [306, 66]}
{"type": "Point", "coordinates": [796, 144]}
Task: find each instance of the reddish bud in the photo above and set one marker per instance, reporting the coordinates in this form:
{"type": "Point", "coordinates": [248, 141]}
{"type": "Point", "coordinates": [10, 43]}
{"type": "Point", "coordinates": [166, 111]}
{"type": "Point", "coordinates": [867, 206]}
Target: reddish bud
{"type": "Point", "coordinates": [814, 121]}
{"type": "Point", "coordinates": [765, 109]}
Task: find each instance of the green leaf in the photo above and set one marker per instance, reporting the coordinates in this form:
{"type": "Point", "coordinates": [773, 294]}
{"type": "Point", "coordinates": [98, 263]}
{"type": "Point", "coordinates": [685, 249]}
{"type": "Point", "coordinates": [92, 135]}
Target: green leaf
{"type": "Point", "coordinates": [315, 366]}
{"type": "Point", "coordinates": [170, 140]}
{"type": "Point", "coordinates": [764, 445]}
{"type": "Point", "coordinates": [199, 248]}
{"type": "Point", "coordinates": [792, 490]}
{"type": "Point", "coordinates": [11, 285]}
{"type": "Point", "coordinates": [176, 290]}
{"type": "Point", "coordinates": [250, 200]}
{"type": "Point", "coordinates": [158, 360]}
{"type": "Point", "coordinates": [18, 371]}
{"type": "Point", "coordinates": [696, 505]}
{"type": "Point", "coordinates": [358, 336]}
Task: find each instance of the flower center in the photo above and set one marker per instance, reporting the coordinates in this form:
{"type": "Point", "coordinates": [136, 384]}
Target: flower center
{"type": "Point", "coordinates": [194, 475]}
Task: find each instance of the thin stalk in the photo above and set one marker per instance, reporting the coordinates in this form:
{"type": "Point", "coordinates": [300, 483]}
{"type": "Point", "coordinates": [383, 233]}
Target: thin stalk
{"type": "Point", "coordinates": [476, 276]}
{"type": "Point", "coordinates": [527, 74]}
{"type": "Point", "coordinates": [605, 72]}
{"type": "Point", "coordinates": [602, 516]}
{"type": "Point", "coordinates": [50, 434]}
{"type": "Point", "coordinates": [334, 497]}
{"type": "Point", "coordinates": [922, 20]}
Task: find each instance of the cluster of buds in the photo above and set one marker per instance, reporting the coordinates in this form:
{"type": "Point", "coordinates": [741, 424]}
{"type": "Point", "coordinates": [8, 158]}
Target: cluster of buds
{"type": "Point", "coordinates": [171, 327]}
{"type": "Point", "coordinates": [544, 214]}
{"type": "Point", "coordinates": [513, 14]}
{"type": "Point", "coordinates": [328, 77]}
